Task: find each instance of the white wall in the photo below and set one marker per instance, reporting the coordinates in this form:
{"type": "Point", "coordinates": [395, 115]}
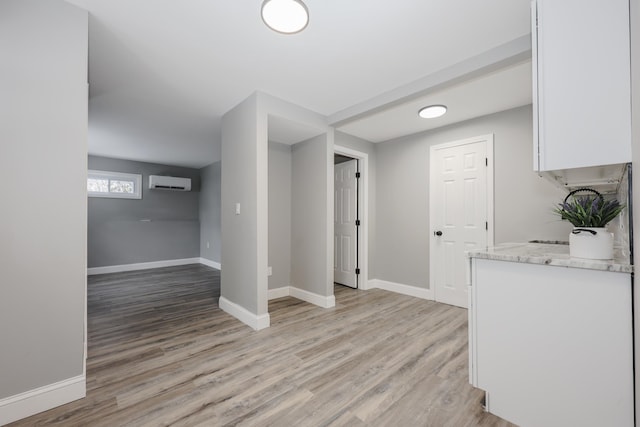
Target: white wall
{"type": "Point", "coordinates": [635, 149]}
{"type": "Point", "coordinates": [523, 201]}
{"type": "Point", "coordinates": [279, 214]}
{"type": "Point", "coordinates": [311, 250]}
{"type": "Point", "coordinates": [317, 263]}
{"type": "Point", "coordinates": [43, 232]}
{"type": "Point", "coordinates": [243, 152]}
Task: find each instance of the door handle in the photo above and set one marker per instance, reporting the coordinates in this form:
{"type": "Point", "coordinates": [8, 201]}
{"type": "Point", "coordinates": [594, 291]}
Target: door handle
{"type": "Point", "coordinates": [437, 233]}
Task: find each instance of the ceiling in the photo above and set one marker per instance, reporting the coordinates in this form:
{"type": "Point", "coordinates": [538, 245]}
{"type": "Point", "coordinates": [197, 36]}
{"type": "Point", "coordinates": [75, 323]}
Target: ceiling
{"type": "Point", "coordinates": [500, 90]}
{"type": "Point", "coordinates": [163, 72]}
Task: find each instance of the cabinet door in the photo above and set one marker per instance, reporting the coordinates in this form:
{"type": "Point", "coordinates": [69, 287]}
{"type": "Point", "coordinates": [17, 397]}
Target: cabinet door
{"type": "Point", "coordinates": [582, 73]}
{"type": "Point", "coordinates": [553, 346]}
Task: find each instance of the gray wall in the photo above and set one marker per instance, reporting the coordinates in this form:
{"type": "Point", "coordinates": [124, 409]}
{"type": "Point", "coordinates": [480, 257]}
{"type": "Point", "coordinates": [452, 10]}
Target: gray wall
{"type": "Point", "coordinates": [279, 214]}
{"type": "Point", "coordinates": [311, 161]}
{"type": "Point", "coordinates": [117, 233]}
{"type": "Point", "coordinates": [523, 201]}
{"type": "Point", "coordinates": [364, 146]}
{"type": "Point", "coordinates": [245, 180]}
{"type": "Point", "coordinates": [242, 235]}
{"type": "Point", "coordinates": [43, 151]}
{"type": "Point", "coordinates": [210, 212]}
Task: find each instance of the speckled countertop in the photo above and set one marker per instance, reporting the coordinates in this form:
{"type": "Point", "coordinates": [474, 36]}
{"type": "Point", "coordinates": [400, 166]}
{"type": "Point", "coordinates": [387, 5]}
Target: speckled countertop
{"type": "Point", "coordinates": [551, 254]}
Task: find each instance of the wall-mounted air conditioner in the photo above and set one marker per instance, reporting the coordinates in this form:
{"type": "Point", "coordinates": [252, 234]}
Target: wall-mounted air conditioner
{"type": "Point", "coordinates": [157, 182]}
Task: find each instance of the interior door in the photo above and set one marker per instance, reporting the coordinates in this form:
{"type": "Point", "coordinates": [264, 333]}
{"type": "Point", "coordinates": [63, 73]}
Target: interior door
{"type": "Point", "coordinates": [345, 230]}
{"type": "Point", "coordinates": [459, 214]}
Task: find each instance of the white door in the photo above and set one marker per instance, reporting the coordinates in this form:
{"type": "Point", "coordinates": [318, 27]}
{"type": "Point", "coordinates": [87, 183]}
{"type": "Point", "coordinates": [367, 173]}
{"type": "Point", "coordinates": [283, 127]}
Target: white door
{"type": "Point", "coordinates": [459, 214]}
{"type": "Point", "coordinates": [344, 228]}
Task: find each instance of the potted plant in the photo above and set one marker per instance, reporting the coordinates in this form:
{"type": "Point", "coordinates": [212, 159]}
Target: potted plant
{"type": "Point", "coordinates": [590, 215]}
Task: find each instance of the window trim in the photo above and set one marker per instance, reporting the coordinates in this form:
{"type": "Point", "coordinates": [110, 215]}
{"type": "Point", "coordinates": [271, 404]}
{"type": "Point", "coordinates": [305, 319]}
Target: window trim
{"type": "Point", "coordinates": [136, 178]}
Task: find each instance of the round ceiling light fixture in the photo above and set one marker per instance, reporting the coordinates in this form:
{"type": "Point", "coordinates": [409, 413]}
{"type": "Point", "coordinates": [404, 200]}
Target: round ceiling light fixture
{"type": "Point", "coordinates": [432, 111]}
{"type": "Point", "coordinates": [285, 16]}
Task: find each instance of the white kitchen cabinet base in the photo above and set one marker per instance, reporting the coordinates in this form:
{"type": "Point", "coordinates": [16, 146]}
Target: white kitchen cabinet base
{"type": "Point", "coordinates": [552, 346]}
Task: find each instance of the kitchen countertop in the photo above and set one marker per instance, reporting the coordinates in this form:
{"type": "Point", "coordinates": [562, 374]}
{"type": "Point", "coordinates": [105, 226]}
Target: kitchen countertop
{"type": "Point", "coordinates": [551, 254]}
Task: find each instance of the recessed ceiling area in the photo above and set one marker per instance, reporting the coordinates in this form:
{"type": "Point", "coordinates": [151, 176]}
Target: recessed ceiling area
{"type": "Point", "coordinates": [497, 91]}
{"type": "Point", "coordinates": [285, 131]}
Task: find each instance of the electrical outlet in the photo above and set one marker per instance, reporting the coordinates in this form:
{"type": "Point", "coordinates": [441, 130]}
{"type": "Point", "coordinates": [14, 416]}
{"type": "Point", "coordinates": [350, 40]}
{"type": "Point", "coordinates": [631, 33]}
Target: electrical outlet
{"type": "Point", "coordinates": [269, 271]}
{"type": "Point", "coordinates": [207, 245]}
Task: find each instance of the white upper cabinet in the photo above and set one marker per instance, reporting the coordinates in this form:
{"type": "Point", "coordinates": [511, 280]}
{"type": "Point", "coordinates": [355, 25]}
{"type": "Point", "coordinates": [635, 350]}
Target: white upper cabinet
{"type": "Point", "coordinates": [581, 83]}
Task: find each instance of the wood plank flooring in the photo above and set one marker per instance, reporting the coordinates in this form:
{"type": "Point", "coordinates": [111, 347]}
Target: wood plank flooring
{"type": "Point", "coordinates": [162, 353]}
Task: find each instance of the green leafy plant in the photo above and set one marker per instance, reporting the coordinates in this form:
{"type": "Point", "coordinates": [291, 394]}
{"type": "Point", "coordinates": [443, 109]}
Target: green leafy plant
{"type": "Point", "coordinates": [589, 211]}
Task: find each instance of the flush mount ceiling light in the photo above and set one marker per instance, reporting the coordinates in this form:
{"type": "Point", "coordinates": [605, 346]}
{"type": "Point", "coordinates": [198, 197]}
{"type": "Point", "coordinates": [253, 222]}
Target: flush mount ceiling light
{"type": "Point", "coordinates": [285, 16]}
{"type": "Point", "coordinates": [432, 111]}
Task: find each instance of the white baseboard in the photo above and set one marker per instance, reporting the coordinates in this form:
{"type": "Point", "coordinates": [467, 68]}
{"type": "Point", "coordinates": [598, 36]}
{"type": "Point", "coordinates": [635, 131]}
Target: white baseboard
{"type": "Point", "coordinates": [301, 294]}
{"type": "Point", "coordinates": [279, 292]}
{"type": "Point", "coordinates": [210, 263]}
{"type": "Point", "coordinates": [319, 300]}
{"type": "Point", "coordinates": [399, 288]}
{"type": "Point", "coordinates": [141, 266]}
{"type": "Point", "coordinates": [41, 399]}
{"type": "Point", "coordinates": [365, 286]}
{"type": "Point", "coordinates": [245, 316]}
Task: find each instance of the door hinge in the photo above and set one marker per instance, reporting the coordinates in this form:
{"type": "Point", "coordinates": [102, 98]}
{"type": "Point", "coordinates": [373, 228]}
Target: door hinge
{"type": "Point", "coordinates": [486, 161]}
{"type": "Point", "coordinates": [357, 174]}
{"type": "Point", "coordinates": [357, 223]}
{"type": "Point", "coordinates": [486, 225]}
{"type": "Point", "coordinates": [357, 271]}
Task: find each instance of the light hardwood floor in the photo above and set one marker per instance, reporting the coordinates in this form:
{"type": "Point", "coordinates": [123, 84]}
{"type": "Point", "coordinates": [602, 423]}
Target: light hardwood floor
{"type": "Point", "coordinates": [162, 353]}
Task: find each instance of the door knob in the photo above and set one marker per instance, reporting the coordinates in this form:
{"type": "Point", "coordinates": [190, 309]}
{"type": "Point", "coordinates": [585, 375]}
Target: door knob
{"type": "Point", "coordinates": [437, 233]}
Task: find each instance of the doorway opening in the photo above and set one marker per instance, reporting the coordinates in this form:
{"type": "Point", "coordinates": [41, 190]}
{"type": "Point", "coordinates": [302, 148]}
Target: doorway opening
{"type": "Point", "coordinates": [461, 212]}
{"type": "Point", "coordinates": [350, 218]}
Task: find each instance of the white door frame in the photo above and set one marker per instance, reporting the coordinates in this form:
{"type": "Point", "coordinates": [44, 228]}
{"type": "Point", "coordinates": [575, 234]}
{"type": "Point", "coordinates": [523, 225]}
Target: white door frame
{"type": "Point", "coordinates": [363, 204]}
{"type": "Point", "coordinates": [488, 139]}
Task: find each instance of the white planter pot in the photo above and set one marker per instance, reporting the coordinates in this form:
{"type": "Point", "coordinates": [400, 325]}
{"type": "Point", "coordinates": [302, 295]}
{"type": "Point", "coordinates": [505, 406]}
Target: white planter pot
{"type": "Point", "coordinates": [591, 243]}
